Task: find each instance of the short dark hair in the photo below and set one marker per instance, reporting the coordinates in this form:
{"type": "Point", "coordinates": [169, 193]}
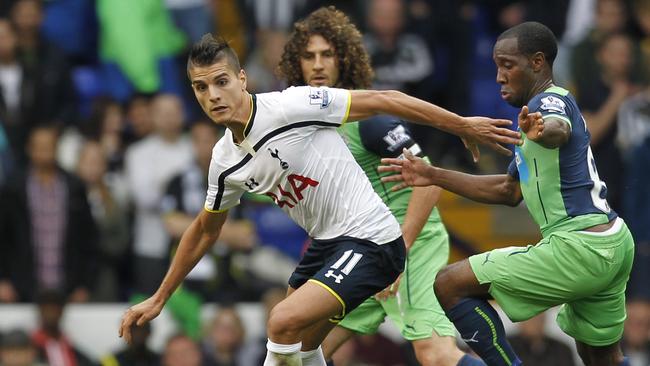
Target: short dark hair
{"type": "Point", "coordinates": [533, 37]}
{"type": "Point", "coordinates": [211, 49]}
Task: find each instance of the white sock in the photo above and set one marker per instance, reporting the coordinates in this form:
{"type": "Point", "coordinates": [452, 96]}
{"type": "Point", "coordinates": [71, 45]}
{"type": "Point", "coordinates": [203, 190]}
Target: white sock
{"type": "Point", "coordinates": [313, 357]}
{"type": "Point", "coordinates": [282, 354]}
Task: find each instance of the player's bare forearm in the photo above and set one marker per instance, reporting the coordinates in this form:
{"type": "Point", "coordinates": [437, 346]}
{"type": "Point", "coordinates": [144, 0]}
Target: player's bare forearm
{"type": "Point", "coordinates": [492, 189]}
{"type": "Point", "coordinates": [421, 203]}
{"type": "Point", "coordinates": [195, 242]}
{"type": "Point", "coordinates": [368, 103]}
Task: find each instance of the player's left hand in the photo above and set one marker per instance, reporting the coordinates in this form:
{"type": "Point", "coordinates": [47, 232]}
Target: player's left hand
{"type": "Point", "coordinates": [532, 124]}
{"type": "Point", "coordinates": [389, 291]}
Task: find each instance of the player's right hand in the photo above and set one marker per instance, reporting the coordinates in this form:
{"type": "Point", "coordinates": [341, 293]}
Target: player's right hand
{"type": "Point", "coordinates": [489, 132]}
{"type": "Point", "coordinates": [410, 171]}
{"type": "Point", "coordinates": [138, 315]}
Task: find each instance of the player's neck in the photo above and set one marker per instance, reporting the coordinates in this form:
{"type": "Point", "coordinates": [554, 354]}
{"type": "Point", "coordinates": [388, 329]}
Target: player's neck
{"type": "Point", "coordinates": [240, 118]}
{"type": "Point", "coordinates": [540, 86]}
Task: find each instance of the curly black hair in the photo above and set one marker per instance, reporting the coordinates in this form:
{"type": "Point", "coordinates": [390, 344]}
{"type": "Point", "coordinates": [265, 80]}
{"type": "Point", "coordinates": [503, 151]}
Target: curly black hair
{"type": "Point", "coordinates": [333, 25]}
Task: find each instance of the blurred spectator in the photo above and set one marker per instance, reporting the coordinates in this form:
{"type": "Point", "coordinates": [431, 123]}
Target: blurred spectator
{"type": "Point", "coordinates": [139, 122]}
{"type": "Point", "coordinates": [600, 99]}
{"type": "Point", "coordinates": [535, 348]}
{"type": "Point", "coordinates": [15, 102]}
{"type": "Point", "coordinates": [642, 16]}
{"type": "Point", "coordinates": [636, 334]}
{"type": "Point", "coordinates": [610, 17]}
{"type": "Point", "coordinates": [6, 157]}
{"type": "Point", "coordinates": [261, 64]}
{"type": "Point", "coordinates": [193, 17]}
{"type": "Point", "coordinates": [54, 98]}
{"type": "Point", "coordinates": [108, 205]}
{"type": "Point", "coordinates": [183, 199]}
{"type": "Point", "coordinates": [138, 43]}
{"type": "Point", "coordinates": [71, 25]}
{"type": "Point", "coordinates": [17, 349]}
{"type": "Point", "coordinates": [52, 344]}
{"type": "Point", "coordinates": [49, 236]}
{"type": "Point", "coordinates": [633, 122]}
{"type": "Point", "coordinates": [508, 13]}
{"type": "Point", "coordinates": [181, 350]}
{"type": "Point", "coordinates": [254, 351]}
{"type": "Point", "coordinates": [401, 61]}
{"type": "Point", "coordinates": [150, 164]}
{"type": "Point", "coordinates": [223, 344]}
{"type": "Point", "coordinates": [375, 349]}
{"type": "Point", "coordinates": [137, 353]}
{"type": "Point", "coordinates": [106, 124]}
{"type": "Point", "coordinates": [637, 208]}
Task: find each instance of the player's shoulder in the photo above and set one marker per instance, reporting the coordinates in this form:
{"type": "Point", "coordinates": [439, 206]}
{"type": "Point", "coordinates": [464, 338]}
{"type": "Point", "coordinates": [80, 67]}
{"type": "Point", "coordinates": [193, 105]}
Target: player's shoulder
{"type": "Point", "coordinates": [552, 100]}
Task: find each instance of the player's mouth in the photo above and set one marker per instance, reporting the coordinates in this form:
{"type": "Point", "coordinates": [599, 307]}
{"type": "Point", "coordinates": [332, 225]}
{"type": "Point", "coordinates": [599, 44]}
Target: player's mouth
{"type": "Point", "coordinates": [505, 95]}
{"type": "Point", "coordinates": [319, 79]}
{"type": "Point", "coordinates": [218, 109]}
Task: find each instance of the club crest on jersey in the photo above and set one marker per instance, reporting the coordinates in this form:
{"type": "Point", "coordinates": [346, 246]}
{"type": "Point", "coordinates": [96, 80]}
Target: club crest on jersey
{"type": "Point", "coordinates": [396, 138]}
{"type": "Point", "coordinates": [319, 96]}
{"type": "Point", "coordinates": [553, 104]}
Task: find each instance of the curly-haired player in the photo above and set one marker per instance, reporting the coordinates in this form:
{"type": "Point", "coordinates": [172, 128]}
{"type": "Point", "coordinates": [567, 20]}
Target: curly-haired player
{"type": "Point", "coordinates": [317, 53]}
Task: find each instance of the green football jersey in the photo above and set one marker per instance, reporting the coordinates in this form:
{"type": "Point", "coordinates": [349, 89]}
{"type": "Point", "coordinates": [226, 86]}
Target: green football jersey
{"type": "Point", "coordinates": [382, 137]}
{"type": "Point", "coordinates": [561, 186]}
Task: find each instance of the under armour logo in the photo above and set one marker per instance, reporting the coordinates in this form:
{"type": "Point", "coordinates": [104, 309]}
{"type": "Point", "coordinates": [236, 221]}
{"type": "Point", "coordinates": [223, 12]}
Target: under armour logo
{"type": "Point", "coordinates": [251, 184]}
{"type": "Point", "coordinates": [472, 339]}
{"type": "Point", "coordinates": [283, 164]}
{"type": "Point", "coordinates": [338, 278]}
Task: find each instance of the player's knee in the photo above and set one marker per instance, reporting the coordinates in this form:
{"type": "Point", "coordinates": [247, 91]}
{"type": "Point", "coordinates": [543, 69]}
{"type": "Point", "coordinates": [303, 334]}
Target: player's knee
{"type": "Point", "coordinates": [442, 284]}
{"type": "Point", "coordinates": [438, 353]}
{"type": "Point", "coordinates": [283, 322]}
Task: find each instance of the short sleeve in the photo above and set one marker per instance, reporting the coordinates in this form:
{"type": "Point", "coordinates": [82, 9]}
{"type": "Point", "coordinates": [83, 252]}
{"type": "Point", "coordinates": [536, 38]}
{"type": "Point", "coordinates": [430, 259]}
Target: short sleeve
{"type": "Point", "coordinates": [386, 136]}
{"type": "Point", "coordinates": [222, 194]}
{"type": "Point", "coordinates": [305, 103]}
{"type": "Point", "coordinates": [550, 105]}
{"type": "Point", "coordinates": [512, 169]}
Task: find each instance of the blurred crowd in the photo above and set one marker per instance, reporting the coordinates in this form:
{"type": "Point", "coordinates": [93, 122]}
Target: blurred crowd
{"type": "Point", "coordinates": [104, 152]}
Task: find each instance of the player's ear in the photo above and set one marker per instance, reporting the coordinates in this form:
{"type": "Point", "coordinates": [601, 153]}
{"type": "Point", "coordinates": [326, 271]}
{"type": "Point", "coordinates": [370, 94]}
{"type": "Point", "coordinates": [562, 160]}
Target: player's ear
{"type": "Point", "coordinates": [538, 60]}
{"type": "Point", "coordinates": [242, 79]}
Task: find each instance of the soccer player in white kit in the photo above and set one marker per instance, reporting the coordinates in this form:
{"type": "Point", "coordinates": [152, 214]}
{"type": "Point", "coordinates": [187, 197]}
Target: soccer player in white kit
{"type": "Point", "coordinates": [285, 145]}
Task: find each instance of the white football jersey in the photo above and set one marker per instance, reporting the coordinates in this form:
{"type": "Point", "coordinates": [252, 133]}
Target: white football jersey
{"type": "Point", "coordinates": [292, 153]}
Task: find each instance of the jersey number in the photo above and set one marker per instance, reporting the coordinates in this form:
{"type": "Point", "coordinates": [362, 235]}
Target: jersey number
{"type": "Point", "coordinates": [349, 266]}
{"type": "Point", "coordinates": [599, 186]}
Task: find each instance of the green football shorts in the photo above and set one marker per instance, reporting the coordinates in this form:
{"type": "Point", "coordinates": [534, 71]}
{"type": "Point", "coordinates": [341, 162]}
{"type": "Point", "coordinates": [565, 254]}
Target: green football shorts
{"type": "Point", "coordinates": [585, 271]}
{"type": "Point", "coordinates": [415, 309]}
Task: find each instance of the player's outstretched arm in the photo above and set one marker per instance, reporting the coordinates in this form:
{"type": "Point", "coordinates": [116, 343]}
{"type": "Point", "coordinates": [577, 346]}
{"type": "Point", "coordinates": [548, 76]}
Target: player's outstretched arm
{"type": "Point", "coordinates": [414, 171]}
{"type": "Point", "coordinates": [195, 242]}
{"type": "Point", "coordinates": [550, 133]}
{"type": "Point", "coordinates": [482, 130]}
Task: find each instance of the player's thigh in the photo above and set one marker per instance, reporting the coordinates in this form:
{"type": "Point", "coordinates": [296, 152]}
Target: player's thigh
{"type": "Point", "coordinates": [523, 280]}
{"type": "Point", "coordinates": [306, 306]}
{"type": "Point", "coordinates": [597, 319]}
{"type": "Point", "coordinates": [335, 338]}
{"type": "Point", "coordinates": [359, 269]}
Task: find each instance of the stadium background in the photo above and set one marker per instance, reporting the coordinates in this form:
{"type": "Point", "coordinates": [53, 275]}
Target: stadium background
{"type": "Point", "coordinates": [109, 75]}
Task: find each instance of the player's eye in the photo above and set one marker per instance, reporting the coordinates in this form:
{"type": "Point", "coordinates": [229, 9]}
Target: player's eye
{"type": "Point", "coordinates": [308, 56]}
{"type": "Point", "coordinates": [222, 82]}
{"type": "Point", "coordinates": [200, 87]}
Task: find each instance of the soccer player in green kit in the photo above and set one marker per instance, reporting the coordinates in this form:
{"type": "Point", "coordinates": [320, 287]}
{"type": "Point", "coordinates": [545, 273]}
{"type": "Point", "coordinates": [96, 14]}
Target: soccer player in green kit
{"type": "Point", "coordinates": [584, 258]}
{"type": "Point", "coordinates": [325, 49]}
